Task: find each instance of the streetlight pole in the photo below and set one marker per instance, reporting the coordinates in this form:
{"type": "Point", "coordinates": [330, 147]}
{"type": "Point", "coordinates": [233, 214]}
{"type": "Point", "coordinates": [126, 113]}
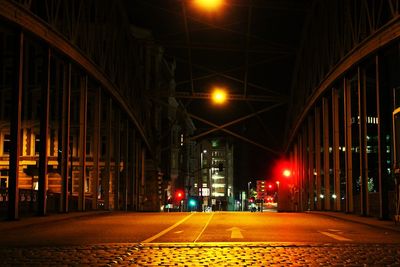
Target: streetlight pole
{"type": "Point", "coordinates": [248, 194]}
{"type": "Point", "coordinates": [277, 195]}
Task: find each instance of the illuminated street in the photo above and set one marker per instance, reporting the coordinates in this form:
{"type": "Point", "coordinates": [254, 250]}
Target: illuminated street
{"type": "Point", "coordinates": [205, 239]}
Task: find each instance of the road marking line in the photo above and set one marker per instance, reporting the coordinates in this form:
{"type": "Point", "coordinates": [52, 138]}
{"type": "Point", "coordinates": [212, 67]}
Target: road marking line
{"type": "Point", "coordinates": [148, 240]}
{"type": "Point", "coordinates": [334, 230]}
{"type": "Point", "coordinates": [202, 231]}
{"type": "Point", "coordinates": [337, 237]}
{"type": "Point", "coordinates": [236, 232]}
{"type": "Point", "coordinates": [178, 232]}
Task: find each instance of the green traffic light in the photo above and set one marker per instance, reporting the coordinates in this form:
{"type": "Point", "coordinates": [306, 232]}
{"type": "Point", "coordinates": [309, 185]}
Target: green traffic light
{"type": "Point", "coordinates": [192, 202]}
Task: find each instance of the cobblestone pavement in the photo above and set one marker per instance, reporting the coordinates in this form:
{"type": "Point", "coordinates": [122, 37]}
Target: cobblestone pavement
{"type": "Point", "coordinates": [205, 254]}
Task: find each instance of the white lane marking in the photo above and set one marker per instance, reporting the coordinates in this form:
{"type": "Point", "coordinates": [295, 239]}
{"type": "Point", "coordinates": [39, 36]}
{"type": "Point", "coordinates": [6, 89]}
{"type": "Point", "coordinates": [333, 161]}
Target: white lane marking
{"type": "Point", "coordinates": [178, 232]}
{"type": "Point", "coordinates": [148, 240]}
{"type": "Point", "coordinates": [204, 228]}
{"type": "Point", "coordinates": [337, 237]}
{"type": "Point", "coordinates": [334, 230]}
{"type": "Point", "coordinates": [235, 232]}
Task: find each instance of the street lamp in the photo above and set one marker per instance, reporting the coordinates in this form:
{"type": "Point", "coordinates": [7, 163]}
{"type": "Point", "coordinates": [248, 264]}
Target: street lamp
{"type": "Point", "coordinates": [209, 5]}
{"type": "Point", "coordinates": [219, 96]}
{"type": "Point", "coordinates": [248, 187]}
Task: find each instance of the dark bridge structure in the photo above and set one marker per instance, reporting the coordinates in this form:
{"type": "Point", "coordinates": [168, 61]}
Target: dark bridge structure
{"type": "Point", "coordinates": [98, 112]}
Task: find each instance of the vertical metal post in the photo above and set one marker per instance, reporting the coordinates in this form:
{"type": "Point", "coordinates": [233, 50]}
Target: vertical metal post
{"type": "Point", "coordinates": [44, 137]}
{"type": "Point", "coordinates": [96, 147]}
{"type": "Point", "coordinates": [246, 55]}
{"type": "Point", "coordinates": [142, 176]}
{"type": "Point", "coordinates": [335, 154]}
{"type": "Point", "coordinates": [107, 171]}
{"type": "Point", "coordinates": [362, 110]}
{"type": "Point", "coordinates": [304, 199]}
{"type": "Point", "coordinates": [82, 142]}
{"type": "Point", "coordinates": [310, 170]}
{"type": "Point", "coordinates": [299, 164]}
{"type": "Point", "coordinates": [126, 165]}
{"type": "Point", "coordinates": [318, 156]}
{"type": "Point", "coordinates": [133, 170]}
{"type": "Point", "coordinates": [348, 145]}
{"type": "Point", "coordinates": [293, 162]}
{"type": "Point", "coordinates": [15, 132]}
{"type": "Point", "coordinates": [189, 43]}
{"type": "Point", "coordinates": [383, 193]}
{"type": "Point", "coordinates": [326, 134]}
{"type": "Point", "coordinates": [66, 122]}
{"type": "Point", "coordinates": [117, 158]}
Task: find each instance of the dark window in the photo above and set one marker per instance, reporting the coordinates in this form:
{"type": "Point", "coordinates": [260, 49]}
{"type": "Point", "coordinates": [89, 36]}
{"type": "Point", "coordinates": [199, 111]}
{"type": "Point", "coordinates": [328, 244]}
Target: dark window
{"type": "Point", "coordinates": [88, 146]}
{"type": "Point", "coordinates": [37, 146]}
{"type": "Point", "coordinates": [6, 144]}
{"type": "Point", "coordinates": [103, 146]}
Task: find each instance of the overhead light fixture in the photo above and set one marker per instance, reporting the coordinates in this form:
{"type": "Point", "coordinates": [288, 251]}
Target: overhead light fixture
{"type": "Point", "coordinates": [219, 96]}
{"type": "Point", "coordinates": [209, 5]}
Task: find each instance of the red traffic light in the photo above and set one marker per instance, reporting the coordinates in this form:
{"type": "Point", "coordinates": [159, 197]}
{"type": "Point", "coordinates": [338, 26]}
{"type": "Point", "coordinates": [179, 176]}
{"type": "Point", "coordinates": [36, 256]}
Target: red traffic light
{"type": "Point", "coordinates": [286, 173]}
{"type": "Point", "coordinates": [178, 195]}
{"type": "Point", "coordinates": [270, 186]}
{"type": "Point", "coordinates": [283, 168]}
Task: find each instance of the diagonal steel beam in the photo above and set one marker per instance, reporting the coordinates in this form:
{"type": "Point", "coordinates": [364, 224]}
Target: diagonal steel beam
{"type": "Point", "coordinates": [236, 121]}
{"type": "Point", "coordinates": [212, 26]}
{"type": "Point", "coordinates": [216, 73]}
{"type": "Point", "coordinates": [226, 48]}
{"type": "Point", "coordinates": [230, 77]}
{"type": "Point", "coordinates": [235, 134]}
{"type": "Point", "coordinates": [234, 97]}
{"type": "Point", "coordinates": [216, 126]}
{"type": "Point", "coordinates": [265, 128]}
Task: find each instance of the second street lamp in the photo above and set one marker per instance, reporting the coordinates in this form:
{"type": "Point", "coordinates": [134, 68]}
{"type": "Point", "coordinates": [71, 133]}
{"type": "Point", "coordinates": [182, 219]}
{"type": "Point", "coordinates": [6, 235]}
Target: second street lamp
{"type": "Point", "coordinates": [219, 96]}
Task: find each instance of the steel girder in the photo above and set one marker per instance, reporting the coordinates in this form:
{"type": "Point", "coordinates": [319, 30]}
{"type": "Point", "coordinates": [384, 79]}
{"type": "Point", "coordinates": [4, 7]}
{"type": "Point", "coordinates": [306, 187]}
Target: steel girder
{"type": "Point", "coordinates": [99, 32]}
{"type": "Point", "coordinates": [337, 35]}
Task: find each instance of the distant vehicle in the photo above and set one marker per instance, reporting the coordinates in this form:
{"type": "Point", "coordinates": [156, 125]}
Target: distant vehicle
{"type": "Point", "coordinates": [269, 199]}
{"type": "Point", "coordinates": [253, 208]}
{"type": "Point", "coordinates": [207, 209]}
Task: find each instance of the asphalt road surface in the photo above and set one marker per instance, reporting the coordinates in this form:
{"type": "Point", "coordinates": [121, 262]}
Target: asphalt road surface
{"type": "Point", "coordinates": [200, 239]}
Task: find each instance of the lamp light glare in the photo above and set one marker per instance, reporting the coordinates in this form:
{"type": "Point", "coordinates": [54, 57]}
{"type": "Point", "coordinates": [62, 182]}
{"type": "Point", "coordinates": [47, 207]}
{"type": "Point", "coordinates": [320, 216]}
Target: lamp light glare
{"type": "Point", "coordinates": [209, 5]}
{"type": "Point", "coordinates": [219, 96]}
{"type": "Point", "coordinates": [286, 173]}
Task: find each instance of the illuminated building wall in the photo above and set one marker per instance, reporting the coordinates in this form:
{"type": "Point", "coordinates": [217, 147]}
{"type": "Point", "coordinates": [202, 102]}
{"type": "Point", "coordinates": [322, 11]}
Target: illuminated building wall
{"type": "Point", "coordinates": [216, 173]}
{"type": "Point", "coordinates": [79, 124]}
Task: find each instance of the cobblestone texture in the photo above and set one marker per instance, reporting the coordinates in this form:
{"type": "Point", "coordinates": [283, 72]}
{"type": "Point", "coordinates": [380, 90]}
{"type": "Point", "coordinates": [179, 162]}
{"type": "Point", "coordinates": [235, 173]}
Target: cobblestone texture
{"type": "Point", "coordinates": [206, 254]}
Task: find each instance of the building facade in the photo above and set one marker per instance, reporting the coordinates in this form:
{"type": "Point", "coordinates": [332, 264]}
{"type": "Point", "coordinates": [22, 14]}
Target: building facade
{"type": "Point", "coordinates": [344, 133]}
{"type": "Point", "coordinates": [214, 177]}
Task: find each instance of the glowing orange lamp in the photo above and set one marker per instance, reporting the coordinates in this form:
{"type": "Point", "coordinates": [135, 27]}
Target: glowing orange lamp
{"type": "Point", "coordinates": [219, 96]}
{"type": "Point", "coordinates": [210, 5]}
